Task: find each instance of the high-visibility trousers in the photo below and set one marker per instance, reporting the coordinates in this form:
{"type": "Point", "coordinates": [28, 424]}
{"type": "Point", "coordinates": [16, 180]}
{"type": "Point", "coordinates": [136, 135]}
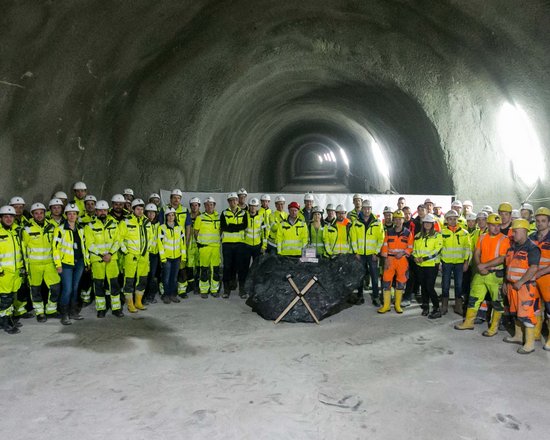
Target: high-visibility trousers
{"type": "Point", "coordinates": [543, 284]}
{"type": "Point", "coordinates": [136, 269]}
{"type": "Point", "coordinates": [398, 268]}
{"type": "Point", "coordinates": [102, 272]}
{"type": "Point", "coordinates": [524, 303]}
{"type": "Point", "coordinates": [210, 261]}
{"type": "Point", "coordinates": [481, 284]}
{"type": "Point", "coordinates": [10, 282]}
{"type": "Point", "coordinates": [44, 273]}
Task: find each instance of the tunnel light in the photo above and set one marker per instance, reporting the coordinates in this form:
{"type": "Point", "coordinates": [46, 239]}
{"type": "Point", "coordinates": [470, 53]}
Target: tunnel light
{"type": "Point", "coordinates": [320, 158]}
{"type": "Point", "coordinates": [332, 156]}
{"type": "Point", "coordinates": [344, 156]}
{"type": "Point", "coordinates": [380, 160]}
{"type": "Point", "coordinates": [521, 143]}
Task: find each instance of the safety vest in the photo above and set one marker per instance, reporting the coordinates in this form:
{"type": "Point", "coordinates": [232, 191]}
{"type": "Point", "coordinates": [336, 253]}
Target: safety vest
{"type": "Point", "coordinates": [276, 218]}
{"type": "Point", "coordinates": [316, 239]}
{"type": "Point", "coordinates": [208, 228]}
{"type": "Point", "coordinates": [544, 246]}
{"type": "Point", "coordinates": [428, 248]}
{"type": "Point", "coordinates": [123, 216]}
{"type": "Point", "coordinates": [367, 240]}
{"type": "Point", "coordinates": [64, 245]}
{"type": "Point", "coordinates": [353, 214]}
{"type": "Point", "coordinates": [397, 241]}
{"type": "Point", "coordinates": [337, 240]}
{"type": "Point", "coordinates": [291, 238]}
{"type": "Point", "coordinates": [11, 256]}
{"type": "Point", "coordinates": [456, 245]}
{"type": "Point", "coordinates": [154, 249]}
{"type": "Point", "coordinates": [102, 238]}
{"type": "Point", "coordinates": [254, 234]}
{"type": "Point", "coordinates": [517, 261]}
{"type": "Point", "coordinates": [136, 235]}
{"type": "Point", "coordinates": [266, 214]}
{"type": "Point", "coordinates": [171, 242]}
{"type": "Point", "coordinates": [86, 219]}
{"type": "Point", "coordinates": [491, 247]}
{"type": "Point", "coordinates": [233, 218]}
{"type": "Point", "coordinates": [181, 215]}
{"type": "Point", "coordinates": [81, 205]}
{"type": "Point", "coordinates": [37, 242]}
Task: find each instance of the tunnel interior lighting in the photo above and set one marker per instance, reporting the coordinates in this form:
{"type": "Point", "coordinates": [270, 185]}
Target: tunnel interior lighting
{"type": "Point", "coordinates": [521, 143]}
{"type": "Point", "coordinates": [380, 160]}
{"type": "Point", "coordinates": [344, 156]}
{"type": "Point", "coordinates": [321, 160]}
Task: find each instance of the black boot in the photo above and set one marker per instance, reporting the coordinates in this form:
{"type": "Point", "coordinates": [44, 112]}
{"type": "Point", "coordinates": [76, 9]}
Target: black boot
{"type": "Point", "coordinates": [425, 310]}
{"type": "Point", "coordinates": [41, 318]}
{"type": "Point", "coordinates": [6, 325]}
{"type": "Point", "coordinates": [436, 313]}
{"type": "Point", "coordinates": [101, 313]}
{"type": "Point", "coordinates": [360, 298]}
{"type": "Point", "coordinates": [74, 313]}
{"type": "Point", "coordinates": [15, 321]}
{"type": "Point", "coordinates": [226, 290]}
{"type": "Point", "coordinates": [242, 291]}
{"type": "Point", "coordinates": [65, 320]}
{"type": "Point", "coordinates": [118, 313]}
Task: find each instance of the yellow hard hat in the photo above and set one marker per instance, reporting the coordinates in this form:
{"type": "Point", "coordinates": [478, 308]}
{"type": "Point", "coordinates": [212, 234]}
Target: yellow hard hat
{"type": "Point", "coordinates": [543, 210]}
{"type": "Point", "coordinates": [505, 207]}
{"type": "Point", "coordinates": [398, 214]}
{"type": "Point", "coordinates": [494, 219]}
{"type": "Point", "coordinates": [520, 223]}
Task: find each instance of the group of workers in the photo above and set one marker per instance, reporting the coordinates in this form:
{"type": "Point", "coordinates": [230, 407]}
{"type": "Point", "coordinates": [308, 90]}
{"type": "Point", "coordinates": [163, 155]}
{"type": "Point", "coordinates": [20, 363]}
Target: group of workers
{"type": "Point", "coordinates": [57, 259]}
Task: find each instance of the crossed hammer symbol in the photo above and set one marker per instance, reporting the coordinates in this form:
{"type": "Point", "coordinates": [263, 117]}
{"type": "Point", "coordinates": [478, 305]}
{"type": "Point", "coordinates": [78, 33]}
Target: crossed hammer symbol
{"type": "Point", "coordinates": [299, 297]}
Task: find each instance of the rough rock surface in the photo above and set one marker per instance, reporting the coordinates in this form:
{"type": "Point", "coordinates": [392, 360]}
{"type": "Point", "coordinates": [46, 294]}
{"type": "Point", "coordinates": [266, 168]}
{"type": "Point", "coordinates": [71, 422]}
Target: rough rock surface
{"type": "Point", "coordinates": [270, 292]}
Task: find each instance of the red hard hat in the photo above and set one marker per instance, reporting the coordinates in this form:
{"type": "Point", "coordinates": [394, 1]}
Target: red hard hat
{"type": "Point", "coordinates": [294, 205]}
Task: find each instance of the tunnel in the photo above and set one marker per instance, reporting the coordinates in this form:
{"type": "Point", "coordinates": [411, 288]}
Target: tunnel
{"type": "Point", "coordinates": [378, 96]}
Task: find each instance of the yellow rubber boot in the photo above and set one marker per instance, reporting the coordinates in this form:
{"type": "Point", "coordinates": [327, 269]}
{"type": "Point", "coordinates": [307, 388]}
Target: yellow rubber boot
{"type": "Point", "coordinates": [130, 304]}
{"type": "Point", "coordinates": [139, 298]}
{"type": "Point", "coordinates": [493, 329]}
{"type": "Point", "coordinates": [538, 327]}
{"type": "Point", "coordinates": [518, 334]}
{"type": "Point", "coordinates": [387, 302]}
{"type": "Point", "coordinates": [529, 346]}
{"type": "Point", "coordinates": [468, 323]}
{"type": "Point", "coordinates": [547, 345]}
{"type": "Point", "coordinates": [397, 303]}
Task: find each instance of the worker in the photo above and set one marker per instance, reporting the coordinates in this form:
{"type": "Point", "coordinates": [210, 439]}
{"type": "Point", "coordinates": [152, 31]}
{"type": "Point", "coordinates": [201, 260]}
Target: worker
{"type": "Point", "coordinates": [388, 218]}
{"type": "Point", "coordinates": [154, 198]}
{"type": "Point", "coordinates": [172, 252]}
{"type": "Point", "coordinates": [255, 242]}
{"type": "Point", "coordinates": [136, 240]}
{"type": "Point", "coordinates": [412, 286]}
{"type": "Point", "coordinates": [207, 234]}
{"type": "Point", "coordinates": [367, 238]}
{"type": "Point", "coordinates": [55, 214]}
{"type": "Point", "coordinates": [233, 222]}
{"type": "Point", "coordinates": [401, 203]}
{"type": "Point", "coordinates": [489, 255]}
{"type": "Point", "coordinates": [505, 213]}
{"type": "Point", "coordinates": [118, 212]}
{"type": "Point", "coordinates": [153, 285]}
{"type": "Point", "coordinates": [79, 190]}
{"type": "Point", "coordinates": [527, 212]}
{"type": "Point", "coordinates": [23, 296]}
{"type": "Point", "coordinates": [357, 204]}
{"type": "Point", "coordinates": [522, 265]}
{"type": "Point", "coordinates": [87, 217]}
{"type": "Point", "coordinates": [471, 222]}
{"type": "Point", "coordinates": [428, 244]}
{"type": "Point", "coordinates": [61, 196]}
{"type": "Point", "coordinates": [292, 233]}
{"type": "Point", "coordinates": [128, 194]}
{"type": "Point", "coordinates": [455, 257]}
{"type": "Point", "coordinates": [542, 239]}
{"type": "Point", "coordinates": [459, 208]}
{"type": "Point", "coordinates": [102, 237]}
{"type": "Point", "coordinates": [306, 212]}
{"type": "Point", "coordinates": [438, 212]}
{"type": "Point", "coordinates": [12, 268]}
{"type": "Point", "coordinates": [487, 209]}
{"type": "Point", "coordinates": [316, 231]}
{"type": "Point", "coordinates": [71, 259]}
{"type": "Point", "coordinates": [275, 219]}
{"type": "Point", "coordinates": [337, 240]}
{"type": "Point", "coordinates": [37, 241]}
{"type": "Point", "coordinates": [398, 243]}
{"type": "Point", "coordinates": [331, 214]}
{"type": "Point", "coordinates": [242, 195]}
{"type": "Point", "coordinates": [429, 206]}
{"type": "Point", "coordinates": [192, 264]}
{"type": "Point", "coordinates": [265, 212]}
{"type": "Point", "coordinates": [467, 208]}
{"type": "Point", "coordinates": [515, 214]}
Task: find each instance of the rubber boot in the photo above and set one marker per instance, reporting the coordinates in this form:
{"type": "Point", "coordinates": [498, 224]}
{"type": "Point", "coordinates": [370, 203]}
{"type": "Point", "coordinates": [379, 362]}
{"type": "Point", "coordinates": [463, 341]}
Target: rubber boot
{"type": "Point", "coordinates": [397, 303]}
{"type": "Point", "coordinates": [387, 302]}
{"type": "Point", "coordinates": [529, 346]}
{"type": "Point", "coordinates": [468, 323]}
{"type": "Point", "coordinates": [444, 306]}
{"type": "Point", "coordinates": [8, 327]}
{"type": "Point", "coordinates": [547, 344]}
{"type": "Point", "coordinates": [130, 304]}
{"type": "Point", "coordinates": [459, 304]}
{"type": "Point", "coordinates": [493, 329]}
{"type": "Point", "coordinates": [139, 300]}
{"type": "Point", "coordinates": [518, 334]}
{"type": "Point", "coordinates": [538, 327]}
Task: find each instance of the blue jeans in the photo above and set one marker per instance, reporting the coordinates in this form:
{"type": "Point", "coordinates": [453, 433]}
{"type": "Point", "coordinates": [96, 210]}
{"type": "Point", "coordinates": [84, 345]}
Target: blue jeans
{"type": "Point", "coordinates": [170, 276]}
{"type": "Point", "coordinates": [457, 270]}
{"type": "Point", "coordinates": [70, 278]}
{"type": "Point", "coordinates": [371, 265]}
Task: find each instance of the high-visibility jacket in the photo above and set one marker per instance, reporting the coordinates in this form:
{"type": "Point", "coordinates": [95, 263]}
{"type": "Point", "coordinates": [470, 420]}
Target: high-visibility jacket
{"type": "Point", "coordinates": [136, 235]}
{"type": "Point", "coordinates": [291, 238]}
{"type": "Point", "coordinates": [171, 243]}
{"type": "Point", "coordinates": [544, 246]}
{"type": "Point", "coordinates": [275, 219]}
{"type": "Point", "coordinates": [102, 238]}
{"type": "Point", "coordinates": [254, 234]}
{"type": "Point", "coordinates": [20, 223]}
{"type": "Point", "coordinates": [474, 237]}
{"type": "Point", "coordinates": [491, 247]}
{"type": "Point", "coordinates": [64, 245]}
{"type": "Point", "coordinates": [123, 216]}
{"type": "Point", "coordinates": [81, 205]}
{"type": "Point", "coordinates": [54, 222]}
{"type": "Point", "coordinates": [37, 243]}
{"type": "Point", "coordinates": [305, 216]}
{"type": "Point", "coordinates": [456, 245]}
{"type": "Point", "coordinates": [181, 215]}
{"type": "Point", "coordinates": [353, 214]}
{"type": "Point", "coordinates": [316, 239]}
{"type": "Point", "coordinates": [266, 214]}
{"type": "Point", "coordinates": [519, 258]}
{"type": "Point", "coordinates": [337, 237]}
{"type": "Point", "coordinates": [233, 225]}
{"type": "Point", "coordinates": [11, 255]}
{"type": "Point", "coordinates": [397, 241]}
{"type": "Point", "coordinates": [154, 249]}
{"type": "Point", "coordinates": [367, 240]}
{"type": "Point", "coordinates": [428, 248]}
{"type": "Point", "coordinates": [207, 227]}
{"type": "Point", "coordinates": [86, 218]}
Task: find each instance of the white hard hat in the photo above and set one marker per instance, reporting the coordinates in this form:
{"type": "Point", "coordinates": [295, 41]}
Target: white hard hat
{"type": "Point", "coordinates": [488, 209]}
{"type": "Point", "coordinates": [169, 211]}
{"type": "Point", "coordinates": [428, 201]}
{"type": "Point", "coordinates": [482, 214]}
{"type": "Point", "coordinates": [195, 200]}
{"type": "Point", "coordinates": [79, 185]}
{"type": "Point", "coordinates": [357, 196]}
{"type": "Point", "coordinates": [90, 198]}
{"type": "Point", "coordinates": [232, 195]}
{"type": "Point", "coordinates": [102, 204]}
{"type": "Point", "coordinates": [128, 192]}
{"type": "Point", "coordinates": [367, 203]}
{"type": "Point", "coordinates": [210, 200]}
{"type": "Point", "coordinates": [515, 214]}
{"type": "Point", "coordinates": [457, 203]}
{"type": "Point", "coordinates": [451, 213]}
{"type": "Point", "coordinates": [71, 207]}
{"type": "Point", "coordinates": [308, 197]}
{"type": "Point", "coordinates": [429, 218]}
{"type": "Point", "coordinates": [316, 209]}
{"type": "Point", "coordinates": [151, 207]}
{"type": "Point", "coordinates": [7, 210]}
{"type": "Point", "coordinates": [527, 206]}
{"type": "Point", "coordinates": [176, 192]}
{"type": "Point", "coordinates": [118, 198]}
{"type": "Point", "coordinates": [265, 197]}
{"type": "Point", "coordinates": [60, 195]}
{"type": "Point", "coordinates": [137, 202]}
{"type": "Point", "coordinates": [17, 201]}
{"type": "Point", "coordinates": [280, 199]}
{"type": "Point", "coordinates": [254, 202]}
{"type": "Point", "coordinates": [387, 209]}
{"type": "Point", "coordinates": [330, 207]}
{"type": "Point", "coordinates": [467, 203]}
{"type": "Point", "coordinates": [471, 216]}
{"type": "Point", "coordinates": [36, 206]}
{"type": "Point", "coordinates": [242, 191]}
{"type": "Point", "coordinates": [154, 196]}
{"type": "Point", "coordinates": [55, 202]}
{"type": "Point", "coordinates": [340, 208]}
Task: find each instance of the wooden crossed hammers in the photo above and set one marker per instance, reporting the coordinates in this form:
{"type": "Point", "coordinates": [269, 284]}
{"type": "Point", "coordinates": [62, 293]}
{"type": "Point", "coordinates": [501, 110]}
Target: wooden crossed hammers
{"type": "Point", "coordinates": [299, 297]}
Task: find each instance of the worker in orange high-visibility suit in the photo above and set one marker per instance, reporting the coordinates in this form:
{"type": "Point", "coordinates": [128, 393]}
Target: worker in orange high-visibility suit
{"type": "Point", "coordinates": [398, 245]}
{"type": "Point", "coordinates": [522, 264]}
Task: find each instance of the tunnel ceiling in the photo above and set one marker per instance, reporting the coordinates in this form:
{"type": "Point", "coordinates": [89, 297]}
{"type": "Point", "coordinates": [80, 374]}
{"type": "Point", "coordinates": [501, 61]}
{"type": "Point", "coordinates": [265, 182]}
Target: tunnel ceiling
{"type": "Point", "coordinates": [222, 94]}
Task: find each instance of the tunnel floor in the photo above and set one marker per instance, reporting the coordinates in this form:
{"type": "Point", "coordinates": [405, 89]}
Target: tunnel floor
{"type": "Point", "coordinates": [214, 369]}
